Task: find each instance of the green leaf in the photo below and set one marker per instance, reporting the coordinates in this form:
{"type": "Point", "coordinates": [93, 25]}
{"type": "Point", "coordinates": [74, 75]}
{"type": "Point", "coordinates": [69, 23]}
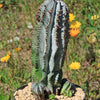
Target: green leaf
{"type": "Point", "coordinates": [52, 96]}
{"type": "Point", "coordinates": [65, 86]}
{"type": "Point", "coordinates": [1, 45]}
{"type": "Point", "coordinates": [69, 93]}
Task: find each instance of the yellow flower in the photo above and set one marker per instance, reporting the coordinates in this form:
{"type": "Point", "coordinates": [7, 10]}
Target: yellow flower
{"type": "Point", "coordinates": [1, 5]}
{"type": "Point", "coordinates": [74, 32]}
{"type": "Point", "coordinates": [75, 24]}
{"type": "Point", "coordinates": [94, 34]}
{"type": "Point", "coordinates": [5, 59]}
{"type": "Point", "coordinates": [94, 17]}
{"type": "Point", "coordinates": [92, 30]}
{"type": "Point", "coordinates": [71, 17]}
{"type": "Point", "coordinates": [98, 64]}
{"type": "Point", "coordinates": [18, 49]}
{"type": "Point", "coordinates": [75, 65]}
{"type": "Point", "coordinates": [9, 53]}
{"type": "Point", "coordinates": [92, 39]}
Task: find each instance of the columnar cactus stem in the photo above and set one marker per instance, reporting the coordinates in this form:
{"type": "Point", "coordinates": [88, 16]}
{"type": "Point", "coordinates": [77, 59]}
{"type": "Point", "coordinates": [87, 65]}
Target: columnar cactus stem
{"type": "Point", "coordinates": [52, 31]}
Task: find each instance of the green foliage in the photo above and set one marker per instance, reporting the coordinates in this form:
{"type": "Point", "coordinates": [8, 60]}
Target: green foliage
{"type": "Point", "coordinates": [8, 2]}
{"type": "Point", "coordinates": [40, 1]}
{"type": "Point", "coordinates": [68, 93]}
{"type": "Point", "coordinates": [66, 89]}
{"type": "Point", "coordinates": [37, 74]}
{"type": "Point", "coordinates": [2, 96]}
{"type": "Point", "coordinates": [51, 96]}
{"type": "Point", "coordinates": [12, 77]}
{"type": "Point", "coordinates": [2, 44]}
{"type": "Point", "coordinates": [1, 1]}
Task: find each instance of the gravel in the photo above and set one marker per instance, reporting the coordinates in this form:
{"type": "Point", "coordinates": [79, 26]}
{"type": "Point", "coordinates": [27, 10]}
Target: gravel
{"type": "Point", "coordinates": [26, 94]}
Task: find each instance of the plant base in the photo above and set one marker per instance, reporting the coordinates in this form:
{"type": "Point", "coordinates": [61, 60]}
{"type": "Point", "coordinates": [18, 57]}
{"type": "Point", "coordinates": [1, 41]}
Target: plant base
{"type": "Point", "coordinates": [24, 93]}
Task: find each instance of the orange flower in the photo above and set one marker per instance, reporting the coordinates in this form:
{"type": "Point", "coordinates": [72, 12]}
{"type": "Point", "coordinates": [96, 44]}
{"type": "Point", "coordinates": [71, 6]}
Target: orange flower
{"type": "Point", "coordinates": [74, 32]}
{"type": "Point", "coordinates": [1, 5]}
{"type": "Point", "coordinates": [18, 49]}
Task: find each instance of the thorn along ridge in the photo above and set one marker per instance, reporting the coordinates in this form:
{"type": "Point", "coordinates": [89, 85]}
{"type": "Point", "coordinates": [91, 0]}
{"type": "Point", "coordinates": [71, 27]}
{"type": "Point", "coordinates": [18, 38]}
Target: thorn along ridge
{"type": "Point", "coordinates": [45, 6]}
{"type": "Point", "coordinates": [58, 26]}
{"type": "Point", "coordinates": [49, 12]}
{"type": "Point", "coordinates": [59, 14]}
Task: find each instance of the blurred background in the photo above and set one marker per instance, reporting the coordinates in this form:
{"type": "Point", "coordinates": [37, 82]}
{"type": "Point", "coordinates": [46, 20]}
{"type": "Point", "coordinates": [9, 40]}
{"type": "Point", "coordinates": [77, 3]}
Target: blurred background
{"type": "Point", "coordinates": [17, 20]}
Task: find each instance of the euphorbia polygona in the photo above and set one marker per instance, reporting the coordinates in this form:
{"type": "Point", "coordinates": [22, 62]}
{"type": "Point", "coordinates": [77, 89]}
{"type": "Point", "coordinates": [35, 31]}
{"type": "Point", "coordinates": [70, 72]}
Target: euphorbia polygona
{"type": "Point", "coordinates": [50, 45]}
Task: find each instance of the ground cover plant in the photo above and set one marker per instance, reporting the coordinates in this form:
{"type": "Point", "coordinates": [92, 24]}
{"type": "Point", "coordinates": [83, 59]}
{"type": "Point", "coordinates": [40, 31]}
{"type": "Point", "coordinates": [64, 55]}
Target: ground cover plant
{"type": "Point", "coordinates": [17, 21]}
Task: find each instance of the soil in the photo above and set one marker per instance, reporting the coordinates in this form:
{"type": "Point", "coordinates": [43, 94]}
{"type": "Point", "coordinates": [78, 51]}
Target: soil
{"type": "Point", "coordinates": [26, 94]}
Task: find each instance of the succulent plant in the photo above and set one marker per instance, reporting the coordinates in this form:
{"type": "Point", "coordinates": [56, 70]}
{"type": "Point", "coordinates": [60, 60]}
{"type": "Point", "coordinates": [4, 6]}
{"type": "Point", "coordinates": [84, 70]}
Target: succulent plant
{"type": "Point", "coordinates": [50, 39]}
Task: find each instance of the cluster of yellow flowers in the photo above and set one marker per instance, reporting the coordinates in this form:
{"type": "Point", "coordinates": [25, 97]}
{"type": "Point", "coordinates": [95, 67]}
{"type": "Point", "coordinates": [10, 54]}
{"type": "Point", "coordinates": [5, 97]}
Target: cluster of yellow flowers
{"type": "Point", "coordinates": [7, 57]}
{"type": "Point", "coordinates": [92, 38]}
{"type": "Point", "coordinates": [75, 65]}
{"type": "Point", "coordinates": [74, 31]}
{"type": "Point", "coordinates": [94, 17]}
